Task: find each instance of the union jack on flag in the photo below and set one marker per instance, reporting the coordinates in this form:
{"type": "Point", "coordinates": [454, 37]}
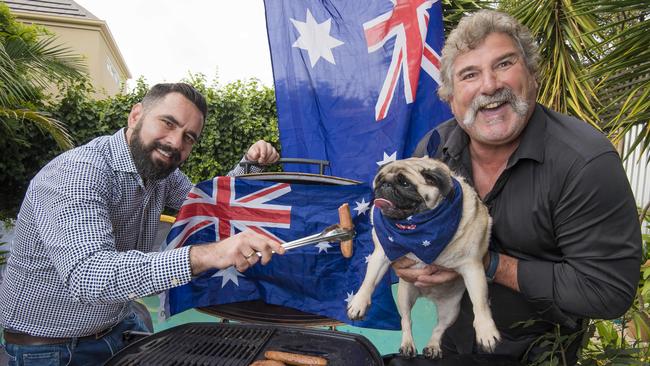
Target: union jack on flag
{"type": "Point", "coordinates": [408, 23]}
{"type": "Point", "coordinates": [217, 204]}
{"type": "Point", "coordinates": [355, 81]}
{"type": "Point", "coordinates": [315, 279]}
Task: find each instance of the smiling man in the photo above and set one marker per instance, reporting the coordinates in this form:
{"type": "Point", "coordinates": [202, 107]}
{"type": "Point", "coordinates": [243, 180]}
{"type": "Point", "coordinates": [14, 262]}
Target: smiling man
{"type": "Point", "coordinates": [86, 229]}
{"type": "Point", "coordinates": [565, 243]}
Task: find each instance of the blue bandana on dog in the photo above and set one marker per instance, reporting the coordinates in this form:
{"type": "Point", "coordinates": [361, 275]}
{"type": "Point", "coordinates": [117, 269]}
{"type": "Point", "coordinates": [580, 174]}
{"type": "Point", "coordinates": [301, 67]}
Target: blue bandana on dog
{"type": "Point", "coordinates": [425, 234]}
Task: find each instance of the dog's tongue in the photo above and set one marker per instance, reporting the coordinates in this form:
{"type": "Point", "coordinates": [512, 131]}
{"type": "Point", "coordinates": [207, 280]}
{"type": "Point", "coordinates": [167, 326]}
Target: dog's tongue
{"type": "Point", "coordinates": [382, 203]}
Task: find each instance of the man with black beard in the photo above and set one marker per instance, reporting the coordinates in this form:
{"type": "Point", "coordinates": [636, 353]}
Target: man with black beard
{"type": "Point", "coordinates": [566, 243]}
{"type": "Point", "coordinates": [85, 232]}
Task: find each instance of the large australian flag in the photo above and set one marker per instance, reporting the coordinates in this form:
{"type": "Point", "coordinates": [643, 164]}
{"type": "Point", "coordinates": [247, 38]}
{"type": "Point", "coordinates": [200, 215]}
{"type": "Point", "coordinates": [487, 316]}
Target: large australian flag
{"type": "Point", "coordinates": [316, 279]}
{"type": "Point", "coordinates": [355, 81]}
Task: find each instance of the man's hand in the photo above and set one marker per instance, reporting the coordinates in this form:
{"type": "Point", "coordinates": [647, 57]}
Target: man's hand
{"type": "Point", "coordinates": [428, 276]}
{"type": "Point", "coordinates": [263, 153]}
{"type": "Point", "coordinates": [238, 250]}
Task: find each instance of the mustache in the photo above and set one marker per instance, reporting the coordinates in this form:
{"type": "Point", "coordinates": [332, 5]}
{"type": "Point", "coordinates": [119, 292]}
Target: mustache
{"type": "Point", "coordinates": [175, 153]}
{"type": "Point", "coordinates": [519, 105]}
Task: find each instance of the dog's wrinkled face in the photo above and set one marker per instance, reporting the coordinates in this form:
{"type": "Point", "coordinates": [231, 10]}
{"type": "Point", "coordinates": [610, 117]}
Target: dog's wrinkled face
{"type": "Point", "coordinates": [410, 186]}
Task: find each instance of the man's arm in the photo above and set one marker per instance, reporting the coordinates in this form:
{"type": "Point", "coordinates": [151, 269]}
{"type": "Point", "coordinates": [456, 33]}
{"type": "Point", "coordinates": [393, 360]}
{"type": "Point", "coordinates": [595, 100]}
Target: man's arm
{"type": "Point", "coordinates": [598, 234]}
{"type": "Point", "coordinates": [238, 250]}
{"type": "Point", "coordinates": [75, 226]}
{"type": "Point", "coordinates": [74, 223]}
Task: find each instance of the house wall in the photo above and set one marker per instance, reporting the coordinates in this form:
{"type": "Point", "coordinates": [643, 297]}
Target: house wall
{"type": "Point", "coordinates": [92, 40]}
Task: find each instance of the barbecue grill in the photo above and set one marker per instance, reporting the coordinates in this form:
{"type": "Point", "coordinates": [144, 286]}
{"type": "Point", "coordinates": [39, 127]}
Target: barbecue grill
{"type": "Point", "coordinates": [228, 344]}
{"type": "Point", "coordinates": [274, 328]}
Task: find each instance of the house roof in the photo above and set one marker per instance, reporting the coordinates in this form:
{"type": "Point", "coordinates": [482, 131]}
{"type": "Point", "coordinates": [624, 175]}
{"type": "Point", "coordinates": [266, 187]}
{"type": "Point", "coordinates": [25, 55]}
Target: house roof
{"type": "Point", "coordinates": [67, 8]}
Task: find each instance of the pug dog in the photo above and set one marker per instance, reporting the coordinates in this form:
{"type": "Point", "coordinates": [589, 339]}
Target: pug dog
{"type": "Point", "coordinates": [427, 213]}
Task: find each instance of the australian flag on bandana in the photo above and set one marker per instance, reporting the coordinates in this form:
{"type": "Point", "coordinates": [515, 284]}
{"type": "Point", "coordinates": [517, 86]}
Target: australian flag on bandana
{"type": "Point", "coordinates": [315, 279]}
{"type": "Point", "coordinates": [355, 81]}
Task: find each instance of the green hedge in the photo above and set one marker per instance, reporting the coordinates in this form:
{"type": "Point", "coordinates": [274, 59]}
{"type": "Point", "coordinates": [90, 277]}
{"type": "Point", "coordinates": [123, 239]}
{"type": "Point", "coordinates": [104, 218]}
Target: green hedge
{"type": "Point", "coordinates": [239, 114]}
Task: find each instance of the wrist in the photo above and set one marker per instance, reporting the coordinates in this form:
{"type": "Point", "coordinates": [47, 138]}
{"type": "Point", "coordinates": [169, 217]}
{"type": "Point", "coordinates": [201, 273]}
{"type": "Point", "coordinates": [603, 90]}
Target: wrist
{"type": "Point", "coordinates": [201, 258]}
{"type": "Point", "coordinates": [492, 266]}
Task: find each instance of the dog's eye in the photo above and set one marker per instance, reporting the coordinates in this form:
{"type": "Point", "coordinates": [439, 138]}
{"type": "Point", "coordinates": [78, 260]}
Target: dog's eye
{"type": "Point", "coordinates": [402, 181]}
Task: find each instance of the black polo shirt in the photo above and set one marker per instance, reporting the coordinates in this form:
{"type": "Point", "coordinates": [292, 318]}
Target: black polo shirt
{"type": "Point", "coordinates": [563, 206]}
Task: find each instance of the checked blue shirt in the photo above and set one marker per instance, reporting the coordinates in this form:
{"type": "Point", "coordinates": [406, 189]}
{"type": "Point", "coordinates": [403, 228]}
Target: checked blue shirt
{"type": "Point", "coordinates": [83, 237]}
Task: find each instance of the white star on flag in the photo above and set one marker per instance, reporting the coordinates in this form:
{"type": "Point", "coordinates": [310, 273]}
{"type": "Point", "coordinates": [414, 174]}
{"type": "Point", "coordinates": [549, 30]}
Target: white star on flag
{"type": "Point", "coordinates": [315, 38]}
{"type": "Point", "coordinates": [410, 218]}
{"type": "Point", "coordinates": [426, 243]}
{"type": "Point", "coordinates": [391, 238]}
{"type": "Point", "coordinates": [368, 258]}
{"type": "Point", "coordinates": [362, 206]}
{"type": "Point", "coordinates": [350, 296]}
{"type": "Point", "coordinates": [387, 158]}
{"type": "Point", "coordinates": [323, 246]}
{"type": "Point", "coordinates": [228, 274]}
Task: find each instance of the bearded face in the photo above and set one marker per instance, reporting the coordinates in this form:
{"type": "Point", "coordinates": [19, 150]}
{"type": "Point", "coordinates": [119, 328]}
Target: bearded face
{"type": "Point", "coordinates": [149, 167]}
{"type": "Point", "coordinates": [494, 92]}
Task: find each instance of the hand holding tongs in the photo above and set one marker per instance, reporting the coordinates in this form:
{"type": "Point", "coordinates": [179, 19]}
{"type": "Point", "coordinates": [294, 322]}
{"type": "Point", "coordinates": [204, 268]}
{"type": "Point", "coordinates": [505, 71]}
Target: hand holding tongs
{"type": "Point", "coordinates": [343, 232]}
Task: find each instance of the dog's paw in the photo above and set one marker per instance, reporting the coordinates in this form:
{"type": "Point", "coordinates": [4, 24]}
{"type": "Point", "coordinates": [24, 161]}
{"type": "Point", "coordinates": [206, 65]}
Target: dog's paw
{"type": "Point", "coordinates": [432, 351]}
{"type": "Point", "coordinates": [407, 350]}
{"type": "Point", "coordinates": [357, 307]}
{"type": "Point", "coordinates": [487, 335]}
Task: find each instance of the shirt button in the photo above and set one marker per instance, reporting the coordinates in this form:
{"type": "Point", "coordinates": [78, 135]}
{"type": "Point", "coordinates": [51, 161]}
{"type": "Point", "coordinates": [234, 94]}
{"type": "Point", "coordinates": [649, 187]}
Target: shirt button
{"type": "Point", "coordinates": [175, 282]}
{"type": "Point", "coordinates": [132, 296]}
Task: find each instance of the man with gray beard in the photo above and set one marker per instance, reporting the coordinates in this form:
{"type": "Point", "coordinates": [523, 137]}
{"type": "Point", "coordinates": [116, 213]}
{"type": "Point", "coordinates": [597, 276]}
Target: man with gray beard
{"type": "Point", "coordinates": [566, 243]}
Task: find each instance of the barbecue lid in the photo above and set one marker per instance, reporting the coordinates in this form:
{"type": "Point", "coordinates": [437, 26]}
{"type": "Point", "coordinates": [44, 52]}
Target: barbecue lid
{"type": "Point", "coordinates": [259, 312]}
{"type": "Point", "coordinates": [297, 177]}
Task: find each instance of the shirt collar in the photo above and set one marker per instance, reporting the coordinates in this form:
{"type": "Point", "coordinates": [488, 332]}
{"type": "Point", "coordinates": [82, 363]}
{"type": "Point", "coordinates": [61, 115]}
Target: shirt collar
{"type": "Point", "coordinates": [532, 144]}
{"type": "Point", "coordinates": [456, 142]}
{"type": "Point", "coordinates": [121, 159]}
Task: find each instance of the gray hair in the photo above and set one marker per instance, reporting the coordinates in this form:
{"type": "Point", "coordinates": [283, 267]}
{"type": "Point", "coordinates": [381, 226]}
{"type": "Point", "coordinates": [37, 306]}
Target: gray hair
{"type": "Point", "coordinates": [470, 34]}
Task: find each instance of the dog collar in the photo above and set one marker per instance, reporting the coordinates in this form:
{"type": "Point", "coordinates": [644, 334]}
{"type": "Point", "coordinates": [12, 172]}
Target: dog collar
{"type": "Point", "coordinates": [425, 234]}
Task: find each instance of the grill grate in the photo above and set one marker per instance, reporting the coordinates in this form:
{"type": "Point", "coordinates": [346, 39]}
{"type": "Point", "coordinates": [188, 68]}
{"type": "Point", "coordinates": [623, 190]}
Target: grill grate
{"type": "Point", "coordinates": [206, 344]}
{"type": "Point", "coordinates": [200, 345]}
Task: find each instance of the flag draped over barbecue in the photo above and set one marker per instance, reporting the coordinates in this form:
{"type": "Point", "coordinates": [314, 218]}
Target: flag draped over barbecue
{"type": "Point", "coordinates": [355, 81]}
{"type": "Point", "coordinates": [315, 279]}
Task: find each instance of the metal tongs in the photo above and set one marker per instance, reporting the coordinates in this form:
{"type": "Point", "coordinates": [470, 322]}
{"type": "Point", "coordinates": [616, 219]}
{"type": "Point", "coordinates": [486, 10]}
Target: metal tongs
{"type": "Point", "coordinates": [343, 232]}
{"type": "Point", "coordinates": [329, 234]}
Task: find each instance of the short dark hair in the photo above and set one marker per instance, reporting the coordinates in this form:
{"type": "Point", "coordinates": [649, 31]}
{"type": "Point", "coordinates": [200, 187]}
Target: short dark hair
{"type": "Point", "coordinates": [159, 91]}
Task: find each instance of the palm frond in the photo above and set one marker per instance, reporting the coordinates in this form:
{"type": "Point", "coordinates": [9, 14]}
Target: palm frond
{"type": "Point", "coordinates": [43, 61]}
{"type": "Point", "coordinates": [623, 72]}
{"type": "Point", "coordinates": [47, 124]}
{"type": "Point", "coordinates": [13, 86]}
{"type": "Point", "coordinates": [568, 41]}
{"type": "Point", "coordinates": [31, 61]}
{"type": "Point", "coordinates": [454, 10]}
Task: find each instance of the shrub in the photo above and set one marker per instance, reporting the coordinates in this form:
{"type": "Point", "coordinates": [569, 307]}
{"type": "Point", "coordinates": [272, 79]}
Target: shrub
{"type": "Point", "coordinates": [239, 114]}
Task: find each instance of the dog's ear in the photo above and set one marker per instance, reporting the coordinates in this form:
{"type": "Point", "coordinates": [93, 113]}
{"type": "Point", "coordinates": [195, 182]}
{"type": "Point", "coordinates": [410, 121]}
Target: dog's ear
{"type": "Point", "coordinates": [439, 178]}
{"type": "Point", "coordinates": [380, 174]}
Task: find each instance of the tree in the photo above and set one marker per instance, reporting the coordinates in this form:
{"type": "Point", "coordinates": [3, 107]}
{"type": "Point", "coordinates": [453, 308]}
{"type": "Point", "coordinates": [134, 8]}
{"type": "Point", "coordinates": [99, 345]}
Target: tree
{"type": "Point", "coordinates": [623, 71]}
{"type": "Point", "coordinates": [568, 43]}
{"type": "Point", "coordinates": [30, 60]}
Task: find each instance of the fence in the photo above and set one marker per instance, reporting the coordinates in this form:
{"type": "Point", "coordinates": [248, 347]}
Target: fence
{"type": "Point", "coordinates": [636, 167]}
